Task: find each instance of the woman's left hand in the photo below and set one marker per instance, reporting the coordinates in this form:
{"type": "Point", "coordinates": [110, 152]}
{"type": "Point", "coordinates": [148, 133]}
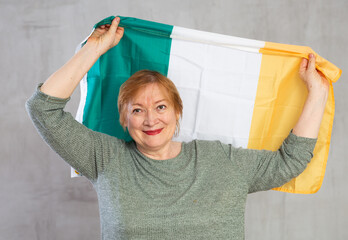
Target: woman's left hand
{"type": "Point", "coordinates": [318, 86]}
{"type": "Point", "coordinates": [316, 82]}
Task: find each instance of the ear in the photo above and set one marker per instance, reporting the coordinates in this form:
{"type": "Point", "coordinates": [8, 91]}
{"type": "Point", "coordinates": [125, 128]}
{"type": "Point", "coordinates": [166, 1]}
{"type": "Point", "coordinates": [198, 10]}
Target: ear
{"type": "Point", "coordinates": [125, 123]}
{"type": "Point", "coordinates": [124, 126]}
{"type": "Point", "coordinates": [124, 118]}
{"type": "Point", "coordinates": [177, 116]}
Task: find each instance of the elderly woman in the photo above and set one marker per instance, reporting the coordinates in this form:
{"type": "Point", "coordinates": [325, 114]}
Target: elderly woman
{"type": "Point", "coordinates": [154, 187]}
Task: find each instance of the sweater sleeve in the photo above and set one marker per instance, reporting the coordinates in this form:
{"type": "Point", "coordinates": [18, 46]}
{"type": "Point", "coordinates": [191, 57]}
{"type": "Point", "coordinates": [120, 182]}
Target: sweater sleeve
{"type": "Point", "coordinates": [85, 150]}
{"type": "Point", "coordinates": [265, 170]}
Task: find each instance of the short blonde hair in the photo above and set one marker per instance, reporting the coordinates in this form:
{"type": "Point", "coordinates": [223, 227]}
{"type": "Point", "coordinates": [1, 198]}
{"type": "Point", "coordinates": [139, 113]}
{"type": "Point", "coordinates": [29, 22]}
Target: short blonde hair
{"type": "Point", "coordinates": [140, 79]}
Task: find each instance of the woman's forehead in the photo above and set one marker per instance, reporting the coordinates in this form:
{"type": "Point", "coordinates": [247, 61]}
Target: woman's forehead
{"type": "Point", "coordinates": [150, 94]}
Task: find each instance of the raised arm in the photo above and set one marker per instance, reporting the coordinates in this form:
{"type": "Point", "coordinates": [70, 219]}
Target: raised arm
{"type": "Point", "coordinates": [63, 82]}
{"type": "Point", "coordinates": [264, 170]}
{"type": "Point", "coordinates": [85, 150]}
{"type": "Point", "coordinates": [318, 87]}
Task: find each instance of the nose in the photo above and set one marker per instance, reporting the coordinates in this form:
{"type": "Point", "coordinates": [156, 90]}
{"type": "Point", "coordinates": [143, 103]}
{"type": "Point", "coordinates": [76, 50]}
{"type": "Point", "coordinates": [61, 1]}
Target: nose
{"type": "Point", "coordinates": [151, 118]}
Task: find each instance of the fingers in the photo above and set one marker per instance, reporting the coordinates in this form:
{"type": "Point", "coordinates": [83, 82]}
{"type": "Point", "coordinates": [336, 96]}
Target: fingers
{"type": "Point", "coordinates": [119, 32]}
{"type": "Point", "coordinates": [113, 30]}
{"type": "Point", "coordinates": [307, 65]}
{"type": "Point", "coordinates": [303, 67]}
{"type": "Point", "coordinates": [311, 64]}
{"type": "Point", "coordinates": [114, 24]}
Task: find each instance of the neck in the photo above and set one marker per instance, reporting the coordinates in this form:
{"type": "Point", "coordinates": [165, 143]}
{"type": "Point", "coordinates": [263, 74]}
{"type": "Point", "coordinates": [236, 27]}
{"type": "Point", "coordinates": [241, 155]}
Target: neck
{"type": "Point", "coordinates": [169, 151]}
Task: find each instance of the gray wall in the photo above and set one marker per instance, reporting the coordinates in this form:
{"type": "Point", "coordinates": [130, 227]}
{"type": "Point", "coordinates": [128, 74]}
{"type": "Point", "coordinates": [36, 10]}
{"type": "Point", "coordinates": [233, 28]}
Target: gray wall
{"type": "Point", "coordinates": [39, 200]}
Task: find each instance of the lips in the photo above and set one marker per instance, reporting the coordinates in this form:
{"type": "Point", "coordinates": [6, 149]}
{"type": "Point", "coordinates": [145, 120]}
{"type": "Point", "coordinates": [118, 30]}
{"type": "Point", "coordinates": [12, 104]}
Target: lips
{"type": "Point", "coordinates": [153, 132]}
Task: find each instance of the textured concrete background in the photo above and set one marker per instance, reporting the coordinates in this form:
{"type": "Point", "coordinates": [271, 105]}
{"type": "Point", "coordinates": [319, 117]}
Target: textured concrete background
{"type": "Point", "coordinates": [39, 200]}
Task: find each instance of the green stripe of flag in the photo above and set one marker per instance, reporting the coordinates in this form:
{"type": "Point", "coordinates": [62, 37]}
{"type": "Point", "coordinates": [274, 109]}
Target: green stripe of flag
{"type": "Point", "coordinates": [145, 45]}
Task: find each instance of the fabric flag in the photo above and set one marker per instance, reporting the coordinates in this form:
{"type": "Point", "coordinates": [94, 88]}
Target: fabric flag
{"type": "Point", "coordinates": [240, 91]}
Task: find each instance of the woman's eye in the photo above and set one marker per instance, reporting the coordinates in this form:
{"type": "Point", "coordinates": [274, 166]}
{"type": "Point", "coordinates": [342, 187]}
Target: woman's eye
{"type": "Point", "coordinates": [137, 110]}
{"type": "Point", "coordinates": [161, 107]}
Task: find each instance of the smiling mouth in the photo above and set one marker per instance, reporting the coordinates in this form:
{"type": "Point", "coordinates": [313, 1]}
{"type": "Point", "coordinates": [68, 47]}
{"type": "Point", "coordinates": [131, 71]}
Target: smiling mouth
{"type": "Point", "coordinates": [153, 132]}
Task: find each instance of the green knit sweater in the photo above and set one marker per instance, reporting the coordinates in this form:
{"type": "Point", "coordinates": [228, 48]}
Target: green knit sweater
{"type": "Point", "coordinates": [200, 194]}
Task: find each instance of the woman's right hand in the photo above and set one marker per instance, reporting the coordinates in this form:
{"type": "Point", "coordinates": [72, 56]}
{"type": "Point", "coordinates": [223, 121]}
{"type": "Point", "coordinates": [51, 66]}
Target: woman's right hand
{"type": "Point", "coordinates": [106, 36]}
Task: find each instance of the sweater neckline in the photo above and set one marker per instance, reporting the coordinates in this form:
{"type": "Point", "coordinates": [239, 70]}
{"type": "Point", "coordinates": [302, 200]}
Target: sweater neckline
{"type": "Point", "coordinates": [174, 160]}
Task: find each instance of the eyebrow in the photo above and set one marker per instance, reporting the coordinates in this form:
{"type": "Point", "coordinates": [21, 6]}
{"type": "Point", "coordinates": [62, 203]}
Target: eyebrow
{"type": "Point", "coordinates": [139, 104]}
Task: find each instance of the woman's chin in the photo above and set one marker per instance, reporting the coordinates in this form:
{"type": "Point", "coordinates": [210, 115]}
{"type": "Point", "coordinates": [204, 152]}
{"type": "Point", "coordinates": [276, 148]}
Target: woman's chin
{"type": "Point", "coordinates": [153, 144]}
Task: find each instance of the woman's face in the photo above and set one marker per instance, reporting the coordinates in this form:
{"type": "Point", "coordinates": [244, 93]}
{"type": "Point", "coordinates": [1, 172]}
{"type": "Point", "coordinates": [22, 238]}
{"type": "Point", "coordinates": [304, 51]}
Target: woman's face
{"type": "Point", "coordinates": [151, 119]}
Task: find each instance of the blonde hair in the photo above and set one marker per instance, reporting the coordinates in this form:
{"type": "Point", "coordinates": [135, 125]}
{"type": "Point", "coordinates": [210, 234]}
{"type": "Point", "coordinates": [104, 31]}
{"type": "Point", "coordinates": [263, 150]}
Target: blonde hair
{"type": "Point", "coordinates": [140, 79]}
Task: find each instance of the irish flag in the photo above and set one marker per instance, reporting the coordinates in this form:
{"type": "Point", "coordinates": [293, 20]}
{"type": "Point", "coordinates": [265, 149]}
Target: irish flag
{"type": "Point", "coordinates": [240, 91]}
